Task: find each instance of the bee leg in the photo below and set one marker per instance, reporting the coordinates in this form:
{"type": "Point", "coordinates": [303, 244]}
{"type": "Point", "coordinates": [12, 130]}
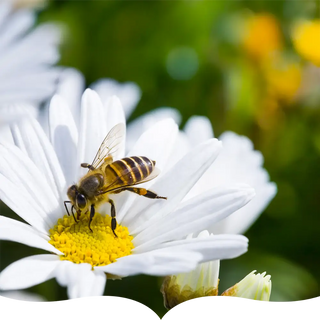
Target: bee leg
{"type": "Point", "coordinates": [87, 165]}
{"type": "Point", "coordinates": [146, 193]}
{"type": "Point", "coordinates": [65, 205]}
{"type": "Point", "coordinates": [92, 212]}
{"type": "Point", "coordinates": [113, 217]}
{"type": "Point", "coordinates": [72, 208]}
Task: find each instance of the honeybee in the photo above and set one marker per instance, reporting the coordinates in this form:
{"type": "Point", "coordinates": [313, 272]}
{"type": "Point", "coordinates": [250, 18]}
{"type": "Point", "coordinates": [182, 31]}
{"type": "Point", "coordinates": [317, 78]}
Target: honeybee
{"type": "Point", "coordinates": [106, 176]}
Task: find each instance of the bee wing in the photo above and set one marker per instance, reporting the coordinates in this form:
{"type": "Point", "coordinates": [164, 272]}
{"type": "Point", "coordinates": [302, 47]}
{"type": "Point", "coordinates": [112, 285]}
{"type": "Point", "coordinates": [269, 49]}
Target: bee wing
{"type": "Point", "coordinates": [110, 145]}
{"type": "Point", "coordinates": [118, 182]}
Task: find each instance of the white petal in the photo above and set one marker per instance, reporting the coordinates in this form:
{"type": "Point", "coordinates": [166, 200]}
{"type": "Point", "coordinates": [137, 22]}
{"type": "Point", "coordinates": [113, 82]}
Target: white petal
{"type": "Point", "coordinates": [147, 121]}
{"type": "Point", "coordinates": [30, 137]}
{"type": "Point", "coordinates": [25, 190]}
{"type": "Point", "coordinates": [80, 279]}
{"type": "Point", "coordinates": [29, 272]}
{"type": "Point", "coordinates": [198, 129]}
{"type": "Point", "coordinates": [64, 137]}
{"type": "Point", "coordinates": [181, 148]}
{"type": "Point", "coordinates": [33, 87]}
{"type": "Point", "coordinates": [28, 176]}
{"type": "Point", "coordinates": [242, 219]}
{"type": "Point", "coordinates": [16, 26]}
{"type": "Point", "coordinates": [157, 262]}
{"type": "Point", "coordinates": [14, 230]}
{"type": "Point", "coordinates": [25, 59]}
{"type": "Point", "coordinates": [5, 131]}
{"type": "Point", "coordinates": [20, 203]}
{"type": "Point", "coordinates": [70, 87]}
{"type": "Point", "coordinates": [194, 215]}
{"type": "Point", "coordinates": [11, 113]}
{"type": "Point", "coordinates": [114, 114]}
{"type": "Point", "coordinates": [237, 145]}
{"type": "Point", "coordinates": [98, 283]}
{"type": "Point", "coordinates": [128, 93]}
{"type": "Point", "coordinates": [206, 274]}
{"type": "Point", "coordinates": [174, 185]}
{"type": "Point", "coordinates": [92, 129]}
{"type": "Point", "coordinates": [23, 296]}
{"type": "Point", "coordinates": [47, 35]}
{"type": "Point", "coordinates": [157, 142]}
{"type": "Point", "coordinates": [5, 9]}
{"type": "Point", "coordinates": [238, 162]}
{"type": "Point", "coordinates": [214, 247]}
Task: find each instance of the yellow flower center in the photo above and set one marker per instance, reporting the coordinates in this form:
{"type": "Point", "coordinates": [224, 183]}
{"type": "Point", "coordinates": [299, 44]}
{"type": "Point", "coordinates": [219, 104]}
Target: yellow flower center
{"type": "Point", "coordinates": [80, 245]}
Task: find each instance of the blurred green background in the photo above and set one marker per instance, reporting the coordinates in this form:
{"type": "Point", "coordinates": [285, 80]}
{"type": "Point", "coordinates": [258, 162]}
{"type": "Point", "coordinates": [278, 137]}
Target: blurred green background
{"type": "Point", "coordinates": [215, 58]}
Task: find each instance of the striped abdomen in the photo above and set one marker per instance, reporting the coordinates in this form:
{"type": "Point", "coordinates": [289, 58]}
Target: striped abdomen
{"type": "Point", "coordinates": [129, 171]}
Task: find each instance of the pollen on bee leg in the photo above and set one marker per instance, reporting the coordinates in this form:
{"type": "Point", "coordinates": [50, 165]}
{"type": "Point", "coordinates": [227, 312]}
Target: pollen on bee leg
{"type": "Point", "coordinates": [97, 248]}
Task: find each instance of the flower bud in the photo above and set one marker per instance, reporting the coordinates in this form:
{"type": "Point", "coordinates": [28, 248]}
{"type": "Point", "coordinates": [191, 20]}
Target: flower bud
{"type": "Point", "coordinates": [253, 286]}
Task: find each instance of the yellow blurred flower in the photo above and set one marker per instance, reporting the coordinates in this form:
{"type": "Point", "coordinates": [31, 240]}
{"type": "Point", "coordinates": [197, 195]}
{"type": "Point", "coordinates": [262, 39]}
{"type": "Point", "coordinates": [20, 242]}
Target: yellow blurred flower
{"type": "Point", "coordinates": [306, 39]}
{"type": "Point", "coordinates": [262, 36]}
{"type": "Point", "coordinates": [282, 80]}
{"type": "Point", "coordinates": [283, 77]}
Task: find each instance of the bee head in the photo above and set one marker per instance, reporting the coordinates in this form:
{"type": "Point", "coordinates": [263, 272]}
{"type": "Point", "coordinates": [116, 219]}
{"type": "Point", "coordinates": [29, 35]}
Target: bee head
{"type": "Point", "coordinates": [72, 193]}
{"type": "Point", "coordinates": [77, 198]}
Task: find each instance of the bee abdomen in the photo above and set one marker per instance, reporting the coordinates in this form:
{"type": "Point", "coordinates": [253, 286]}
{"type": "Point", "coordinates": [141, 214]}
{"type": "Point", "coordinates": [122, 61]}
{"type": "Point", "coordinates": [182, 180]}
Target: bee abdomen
{"type": "Point", "coordinates": [133, 169]}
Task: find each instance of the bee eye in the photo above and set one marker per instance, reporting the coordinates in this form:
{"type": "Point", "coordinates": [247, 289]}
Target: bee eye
{"type": "Point", "coordinates": [81, 201]}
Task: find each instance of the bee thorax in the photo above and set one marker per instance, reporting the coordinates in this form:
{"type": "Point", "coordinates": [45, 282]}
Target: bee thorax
{"type": "Point", "coordinates": [89, 185]}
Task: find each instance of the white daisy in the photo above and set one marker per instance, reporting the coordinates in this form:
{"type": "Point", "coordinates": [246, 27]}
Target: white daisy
{"type": "Point", "coordinates": [26, 57]}
{"type": "Point", "coordinates": [34, 176]}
